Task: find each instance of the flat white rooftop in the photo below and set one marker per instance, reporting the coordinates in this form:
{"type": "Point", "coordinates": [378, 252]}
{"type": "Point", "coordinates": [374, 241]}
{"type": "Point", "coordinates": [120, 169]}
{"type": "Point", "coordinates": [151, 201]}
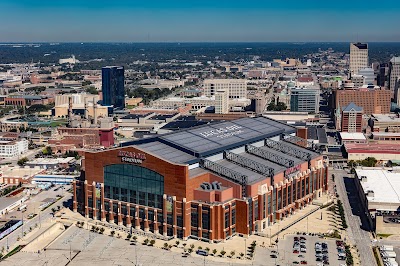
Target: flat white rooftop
{"type": "Point", "coordinates": [352, 136]}
{"type": "Point", "coordinates": [384, 184]}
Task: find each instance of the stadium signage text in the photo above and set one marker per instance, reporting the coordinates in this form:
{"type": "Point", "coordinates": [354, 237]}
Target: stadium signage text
{"type": "Point", "coordinates": [131, 157]}
{"type": "Point", "coordinates": [293, 170]}
{"type": "Point", "coordinates": [223, 132]}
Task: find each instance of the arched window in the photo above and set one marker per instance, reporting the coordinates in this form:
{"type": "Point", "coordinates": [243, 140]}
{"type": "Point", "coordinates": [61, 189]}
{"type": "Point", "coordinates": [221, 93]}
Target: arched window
{"type": "Point", "coordinates": [134, 184]}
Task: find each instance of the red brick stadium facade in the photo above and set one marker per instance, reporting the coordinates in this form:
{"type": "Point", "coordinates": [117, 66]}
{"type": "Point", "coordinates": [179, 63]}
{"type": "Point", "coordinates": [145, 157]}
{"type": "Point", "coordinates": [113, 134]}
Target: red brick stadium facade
{"type": "Point", "coordinates": [159, 187]}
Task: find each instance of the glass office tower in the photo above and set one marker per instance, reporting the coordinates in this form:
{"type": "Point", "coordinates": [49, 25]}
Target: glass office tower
{"type": "Point", "coordinates": [113, 86]}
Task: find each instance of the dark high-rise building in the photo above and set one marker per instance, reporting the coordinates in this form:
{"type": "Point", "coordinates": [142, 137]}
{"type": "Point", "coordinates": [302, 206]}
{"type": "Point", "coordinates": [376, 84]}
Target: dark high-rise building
{"type": "Point", "coordinates": [113, 86]}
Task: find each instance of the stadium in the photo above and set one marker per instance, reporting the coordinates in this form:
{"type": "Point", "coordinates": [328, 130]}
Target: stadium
{"type": "Point", "coordinates": [208, 182]}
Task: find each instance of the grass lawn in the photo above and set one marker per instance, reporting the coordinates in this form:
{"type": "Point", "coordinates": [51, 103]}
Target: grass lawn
{"type": "Point", "coordinates": [58, 123]}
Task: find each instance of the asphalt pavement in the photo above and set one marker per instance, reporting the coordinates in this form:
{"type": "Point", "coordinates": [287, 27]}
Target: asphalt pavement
{"type": "Point", "coordinates": [358, 226]}
{"type": "Point", "coordinates": [33, 207]}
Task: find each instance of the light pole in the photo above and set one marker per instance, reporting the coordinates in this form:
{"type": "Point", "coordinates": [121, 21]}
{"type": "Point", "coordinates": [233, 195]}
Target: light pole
{"type": "Point", "coordinates": [136, 258]}
{"type": "Point", "coordinates": [307, 225]}
{"type": "Point", "coordinates": [22, 235]}
{"type": "Point", "coordinates": [270, 235]}
{"type": "Point", "coordinates": [245, 247]}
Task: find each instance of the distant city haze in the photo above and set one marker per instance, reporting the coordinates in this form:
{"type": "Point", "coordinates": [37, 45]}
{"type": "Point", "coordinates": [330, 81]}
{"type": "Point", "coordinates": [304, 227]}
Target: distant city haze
{"type": "Point", "coordinates": [199, 21]}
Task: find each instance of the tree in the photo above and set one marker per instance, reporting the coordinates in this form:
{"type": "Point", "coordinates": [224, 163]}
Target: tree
{"type": "Point", "coordinates": [152, 242]}
{"type": "Point", "coordinates": [214, 251]}
{"type": "Point", "coordinates": [86, 83]}
{"type": "Point", "coordinates": [177, 243]}
{"type": "Point", "coordinates": [192, 246]}
{"type": "Point", "coordinates": [280, 106]}
{"type": "Point", "coordinates": [22, 161]}
{"type": "Point", "coordinates": [92, 90]}
{"type": "Point", "coordinates": [93, 228]}
{"type": "Point", "coordinates": [112, 233]}
{"type": "Point", "coordinates": [165, 245]}
{"type": "Point", "coordinates": [128, 236]}
{"type": "Point", "coordinates": [241, 254]}
{"type": "Point", "coordinates": [199, 247]}
{"type": "Point", "coordinates": [271, 106]}
{"type": "Point", "coordinates": [36, 108]}
{"type": "Point", "coordinates": [223, 252]}
{"type": "Point", "coordinates": [232, 253]}
{"type": "Point", "coordinates": [146, 241]}
{"type": "Point", "coordinates": [207, 249]}
{"type": "Point", "coordinates": [47, 151]}
{"type": "Point", "coordinates": [134, 238]}
{"type": "Point", "coordinates": [101, 230]}
{"type": "Point", "coordinates": [351, 163]}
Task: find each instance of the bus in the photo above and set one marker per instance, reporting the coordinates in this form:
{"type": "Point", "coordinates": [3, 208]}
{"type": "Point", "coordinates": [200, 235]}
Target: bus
{"type": "Point", "coordinates": [22, 207]}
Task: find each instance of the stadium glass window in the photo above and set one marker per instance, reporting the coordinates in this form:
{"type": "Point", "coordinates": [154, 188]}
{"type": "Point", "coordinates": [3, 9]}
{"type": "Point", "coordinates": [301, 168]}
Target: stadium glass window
{"type": "Point", "coordinates": [134, 183]}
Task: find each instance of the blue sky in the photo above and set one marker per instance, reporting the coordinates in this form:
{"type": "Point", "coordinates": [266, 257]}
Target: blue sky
{"type": "Point", "coordinates": [205, 20]}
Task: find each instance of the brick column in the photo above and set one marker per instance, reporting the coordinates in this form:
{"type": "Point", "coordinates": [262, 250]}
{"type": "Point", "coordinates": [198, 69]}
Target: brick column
{"type": "Point", "coordinates": [75, 200]}
{"type": "Point", "coordinates": [111, 212]}
{"type": "Point", "coordinates": [94, 201]}
{"type": "Point", "coordinates": [186, 219]}
{"type": "Point", "coordinates": [155, 222]}
{"type": "Point", "coordinates": [128, 215]}
{"type": "Point", "coordinates": [119, 214]}
{"type": "Point", "coordinates": [200, 220]}
{"type": "Point", "coordinates": [165, 215]}
{"type": "Point", "coordinates": [103, 212]}
{"type": "Point", "coordinates": [137, 222]}
{"type": "Point", "coordinates": [174, 219]}
{"type": "Point", "coordinates": [86, 199]}
{"type": "Point", "coordinates": [146, 220]}
{"type": "Point", "coordinates": [211, 214]}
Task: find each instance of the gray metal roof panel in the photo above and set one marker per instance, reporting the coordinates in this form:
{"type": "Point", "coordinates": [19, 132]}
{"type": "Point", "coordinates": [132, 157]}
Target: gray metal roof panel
{"type": "Point", "coordinates": [252, 176]}
{"type": "Point", "coordinates": [313, 154]}
{"type": "Point", "coordinates": [284, 155]}
{"type": "Point", "coordinates": [167, 152]}
{"type": "Point", "coordinates": [218, 135]}
{"type": "Point", "coordinates": [277, 168]}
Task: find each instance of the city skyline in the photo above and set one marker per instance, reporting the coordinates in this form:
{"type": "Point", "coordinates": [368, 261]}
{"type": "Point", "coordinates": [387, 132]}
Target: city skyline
{"type": "Point", "coordinates": [199, 21]}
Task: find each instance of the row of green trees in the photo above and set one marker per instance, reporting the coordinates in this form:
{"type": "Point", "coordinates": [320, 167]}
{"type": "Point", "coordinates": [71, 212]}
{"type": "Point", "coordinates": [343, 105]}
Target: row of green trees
{"type": "Point", "coordinates": [367, 162]}
{"type": "Point", "coordinates": [341, 213]}
{"type": "Point", "coordinates": [276, 105]}
{"type": "Point", "coordinates": [149, 94]}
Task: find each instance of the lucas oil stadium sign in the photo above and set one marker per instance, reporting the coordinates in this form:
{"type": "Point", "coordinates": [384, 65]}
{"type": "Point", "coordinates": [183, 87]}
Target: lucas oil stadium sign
{"type": "Point", "coordinates": [131, 157]}
{"type": "Point", "coordinates": [223, 132]}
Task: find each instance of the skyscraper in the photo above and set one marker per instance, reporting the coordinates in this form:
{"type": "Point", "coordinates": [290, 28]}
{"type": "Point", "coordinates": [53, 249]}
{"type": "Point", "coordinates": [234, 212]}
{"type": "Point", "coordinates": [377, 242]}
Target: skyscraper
{"type": "Point", "coordinates": [113, 86]}
{"type": "Point", "coordinates": [394, 75]}
{"type": "Point", "coordinates": [236, 88]}
{"type": "Point", "coordinates": [304, 100]}
{"type": "Point", "coordinates": [221, 102]}
{"type": "Point", "coordinates": [358, 57]}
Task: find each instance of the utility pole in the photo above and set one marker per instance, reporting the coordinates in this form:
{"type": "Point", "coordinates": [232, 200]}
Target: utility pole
{"type": "Point", "coordinates": [22, 235]}
{"type": "Point", "coordinates": [137, 264]}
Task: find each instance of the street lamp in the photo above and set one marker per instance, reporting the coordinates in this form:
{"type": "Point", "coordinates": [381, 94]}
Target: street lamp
{"type": "Point", "coordinates": [245, 247]}
{"type": "Point", "coordinates": [307, 225]}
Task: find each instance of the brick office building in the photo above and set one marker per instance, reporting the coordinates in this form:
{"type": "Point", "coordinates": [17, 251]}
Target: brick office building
{"type": "Point", "coordinates": [373, 101]}
{"type": "Point", "coordinates": [208, 182]}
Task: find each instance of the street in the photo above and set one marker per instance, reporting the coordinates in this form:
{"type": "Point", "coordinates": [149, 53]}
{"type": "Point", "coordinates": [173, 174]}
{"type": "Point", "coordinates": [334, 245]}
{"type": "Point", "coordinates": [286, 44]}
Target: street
{"type": "Point", "coordinates": [358, 226]}
{"type": "Point", "coordinates": [33, 207]}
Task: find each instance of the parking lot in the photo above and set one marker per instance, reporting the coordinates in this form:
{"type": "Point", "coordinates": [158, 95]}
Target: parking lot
{"type": "Point", "coordinates": [303, 251]}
